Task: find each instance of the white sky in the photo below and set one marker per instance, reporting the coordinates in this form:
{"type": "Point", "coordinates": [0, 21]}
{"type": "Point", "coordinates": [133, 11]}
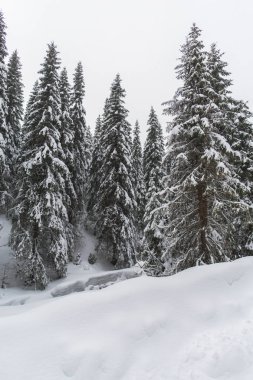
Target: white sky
{"type": "Point", "coordinates": [140, 39]}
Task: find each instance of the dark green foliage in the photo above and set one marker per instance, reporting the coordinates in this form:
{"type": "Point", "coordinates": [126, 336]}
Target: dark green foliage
{"type": "Point", "coordinates": [153, 243]}
{"type": "Point", "coordinates": [242, 143]}
{"type": "Point", "coordinates": [237, 127]}
{"type": "Point", "coordinates": [202, 187]}
{"type": "Point", "coordinates": [94, 180]}
{"type": "Point", "coordinates": [67, 151]}
{"type": "Point", "coordinates": [81, 143]}
{"type": "Point", "coordinates": [92, 259]}
{"type": "Point", "coordinates": [40, 223]}
{"type": "Point", "coordinates": [116, 197]}
{"type": "Point", "coordinates": [15, 106]}
{"type": "Point", "coordinates": [5, 196]}
{"type": "Point", "coordinates": [138, 180]}
{"type": "Point", "coordinates": [153, 152]}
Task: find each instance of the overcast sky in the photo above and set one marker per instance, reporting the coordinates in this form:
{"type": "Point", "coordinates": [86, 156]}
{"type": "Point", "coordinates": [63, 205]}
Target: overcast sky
{"type": "Point", "coordinates": [140, 39]}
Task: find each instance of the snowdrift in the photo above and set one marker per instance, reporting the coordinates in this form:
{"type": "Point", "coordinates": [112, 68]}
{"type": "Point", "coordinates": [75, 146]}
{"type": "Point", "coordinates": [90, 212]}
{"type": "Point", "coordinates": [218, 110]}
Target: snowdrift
{"type": "Point", "coordinates": [196, 325]}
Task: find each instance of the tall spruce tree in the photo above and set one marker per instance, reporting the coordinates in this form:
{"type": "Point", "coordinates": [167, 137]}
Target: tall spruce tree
{"type": "Point", "coordinates": [67, 135]}
{"type": "Point", "coordinates": [29, 262]}
{"type": "Point", "coordinates": [116, 196]}
{"type": "Point", "coordinates": [39, 236]}
{"type": "Point", "coordinates": [242, 143]}
{"type": "Point", "coordinates": [82, 144]}
{"type": "Point", "coordinates": [98, 128]}
{"type": "Point", "coordinates": [94, 180]}
{"type": "Point", "coordinates": [153, 152]}
{"type": "Point", "coordinates": [14, 105]}
{"type": "Point", "coordinates": [138, 179]}
{"type": "Point", "coordinates": [201, 194]}
{"type": "Point", "coordinates": [5, 197]}
{"type": "Point", "coordinates": [67, 144]}
{"type": "Point", "coordinates": [31, 103]}
{"type": "Point", "coordinates": [153, 241]}
{"type": "Point", "coordinates": [239, 133]}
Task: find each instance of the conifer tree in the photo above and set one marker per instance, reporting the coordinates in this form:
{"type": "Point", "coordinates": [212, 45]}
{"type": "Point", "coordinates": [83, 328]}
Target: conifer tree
{"type": "Point", "coordinates": [90, 142]}
{"type": "Point", "coordinates": [201, 189]}
{"type": "Point", "coordinates": [30, 106]}
{"type": "Point", "coordinates": [22, 239]}
{"type": "Point", "coordinates": [5, 197]}
{"type": "Point", "coordinates": [14, 108]}
{"type": "Point", "coordinates": [67, 144]}
{"type": "Point", "coordinates": [67, 135]}
{"type": "Point", "coordinates": [242, 143]}
{"type": "Point", "coordinates": [82, 143]}
{"type": "Point", "coordinates": [153, 152]}
{"type": "Point", "coordinates": [116, 197]}
{"type": "Point", "coordinates": [97, 132]}
{"type": "Point", "coordinates": [39, 237]}
{"type": "Point", "coordinates": [239, 133]}
{"type": "Point", "coordinates": [95, 165]}
{"type": "Point", "coordinates": [138, 179]}
{"type": "Point", "coordinates": [153, 242]}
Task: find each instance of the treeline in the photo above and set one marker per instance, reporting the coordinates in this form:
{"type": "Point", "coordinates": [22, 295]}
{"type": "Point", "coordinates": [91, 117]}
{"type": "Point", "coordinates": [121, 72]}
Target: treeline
{"type": "Point", "coordinates": [171, 206]}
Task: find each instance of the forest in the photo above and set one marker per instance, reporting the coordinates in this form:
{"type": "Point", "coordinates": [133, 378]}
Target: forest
{"type": "Point", "coordinates": [182, 200]}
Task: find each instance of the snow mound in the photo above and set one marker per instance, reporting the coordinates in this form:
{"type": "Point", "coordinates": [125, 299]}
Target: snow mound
{"type": "Point", "coordinates": [196, 325]}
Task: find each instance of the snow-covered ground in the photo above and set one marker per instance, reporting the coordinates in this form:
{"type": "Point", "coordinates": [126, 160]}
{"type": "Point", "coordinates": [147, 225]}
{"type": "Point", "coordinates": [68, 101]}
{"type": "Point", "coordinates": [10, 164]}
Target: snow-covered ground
{"type": "Point", "coordinates": [196, 325]}
{"type": "Point", "coordinates": [81, 277]}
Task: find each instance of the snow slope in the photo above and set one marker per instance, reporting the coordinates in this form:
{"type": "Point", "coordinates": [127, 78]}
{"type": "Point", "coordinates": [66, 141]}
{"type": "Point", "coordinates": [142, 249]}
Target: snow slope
{"type": "Point", "coordinates": [196, 325]}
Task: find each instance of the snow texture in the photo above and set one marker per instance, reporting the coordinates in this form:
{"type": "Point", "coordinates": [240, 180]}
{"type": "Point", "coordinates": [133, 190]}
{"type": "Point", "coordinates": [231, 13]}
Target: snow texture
{"type": "Point", "coordinates": [195, 325]}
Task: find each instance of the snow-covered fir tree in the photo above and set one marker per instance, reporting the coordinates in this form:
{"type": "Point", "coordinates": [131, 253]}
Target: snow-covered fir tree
{"type": "Point", "coordinates": [82, 143]}
{"type": "Point", "coordinates": [14, 109]}
{"type": "Point", "coordinates": [5, 196]}
{"type": "Point", "coordinates": [31, 103]}
{"type": "Point", "coordinates": [237, 126]}
{"type": "Point", "coordinates": [153, 242]}
{"type": "Point", "coordinates": [116, 197]}
{"type": "Point", "coordinates": [90, 141]}
{"type": "Point", "coordinates": [153, 151]}
{"type": "Point", "coordinates": [242, 143]}
{"type": "Point", "coordinates": [22, 239]}
{"type": "Point", "coordinates": [97, 132]}
{"type": "Point", "coordinates": [138, 179]}
{"type": "Point", "coordinates": [39, 236]}
{"type": "Point", "coordinates": [67, 144]}
{"type": "Point", "coordinates": [67, 135]}
{"type": "Point", "coordinates": [201, 189]}
{"type": "Point", "coordinates": [94, 180]}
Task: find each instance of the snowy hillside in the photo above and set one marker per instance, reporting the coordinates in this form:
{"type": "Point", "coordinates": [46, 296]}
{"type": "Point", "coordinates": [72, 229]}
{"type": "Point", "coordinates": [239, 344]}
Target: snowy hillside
{"type": "Point", "coordinates": [195, 325]}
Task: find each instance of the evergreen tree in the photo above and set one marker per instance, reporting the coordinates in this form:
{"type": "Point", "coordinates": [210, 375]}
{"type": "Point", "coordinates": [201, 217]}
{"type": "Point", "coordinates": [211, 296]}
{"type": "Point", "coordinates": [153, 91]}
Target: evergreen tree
{"type": "Point", "coordinates": [89, 142]}
{"type": "Point", "coordinates": [153, 173]}
{"type": "Point", "coordinates": [98, 128]}
{"type": "Point", "coordinates": [5, 197]}
{"type": "Point", "coordinates": [239, 133]}
{"type": "Point", "coordinates": [67, 135]}
{"type": "Point", "coordinates": [201, 194]}
{"type": "Point", "coordinates": [67, 144]}
{"type": "Point", "coordinates": [153, 152]}
{"type": "Point", "coordinates": [39, 237]}
{"type": "Point", "coordinates": [14, 108]}
{"type": "Point", "coordinates": [24, 231]}
{"type": "Point", "coordinates": [94, 180]}
{"type": "Point", "coordinates": [242, 143]}
{"type": "Point", "coordinates": [138, 180]}
{"type": "Point", "coordinates": [116, 197]}
{"type": "Point", "coordinates": [82, 143]}
{"type": "Point", "coordinates": [30, 107]}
